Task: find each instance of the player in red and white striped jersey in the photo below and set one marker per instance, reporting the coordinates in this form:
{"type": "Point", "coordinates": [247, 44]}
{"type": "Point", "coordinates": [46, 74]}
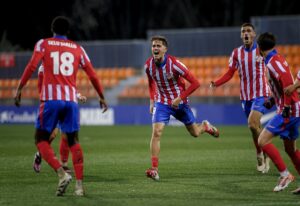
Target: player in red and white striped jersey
{"type": "Point", "coordinates": [253, 86]}
{"type": "Point", "coordinates": [61, 59]}
{"type": "Point", "coordinates": [287, 120]}
{"type": "Point", "coordinates": [169, 96]}
{"type": "Point", "coordinates": [63, 146]}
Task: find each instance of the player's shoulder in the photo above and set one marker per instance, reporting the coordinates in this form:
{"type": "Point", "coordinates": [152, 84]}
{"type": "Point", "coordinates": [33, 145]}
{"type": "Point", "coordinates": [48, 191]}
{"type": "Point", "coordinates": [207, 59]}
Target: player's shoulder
{"type": "Point", "coordinates": [147, 63]}
{"type": "Point", "coordinates": [176, 61]}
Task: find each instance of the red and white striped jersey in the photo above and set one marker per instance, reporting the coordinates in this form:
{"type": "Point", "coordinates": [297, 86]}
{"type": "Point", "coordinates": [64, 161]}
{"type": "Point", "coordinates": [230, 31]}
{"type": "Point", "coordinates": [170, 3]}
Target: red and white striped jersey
{"type": "Point", "coordinates": [167, 81]}
{"type": "Point", "coordinates": [250, 66]}
{"type": "Point", "coordinates": [61, 59]}
{"type": "Point", "coordinates": [280, 76]}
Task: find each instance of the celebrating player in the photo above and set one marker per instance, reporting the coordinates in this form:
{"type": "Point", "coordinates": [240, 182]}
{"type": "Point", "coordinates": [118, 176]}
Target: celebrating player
{"type": "Point", "coordinates": [287, 120]}
{"type": "Point", "coordinates": [253, 86]}
{"type": "Point", "coordinates": [168, 96]}
{"type": "Point", "coordinates": [61, 59]}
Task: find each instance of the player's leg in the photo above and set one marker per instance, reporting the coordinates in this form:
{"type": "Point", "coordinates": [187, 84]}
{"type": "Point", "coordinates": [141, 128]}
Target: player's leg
{"type": "Point", "coordinates": [265, 142]}
{"type": "Point", "coordinates": [293, 153]}
{"type": "Point", "coordinates": [37, 161]}
{"type": "Point", "coordinates": [186, 116]}
{"type": "Point", "coordinates": [255, 128]}
{"type": "Point", "coordinates": [77, 158]}
{"type": "Point", "coordinates": [64, 152]}
{"type": "Point", "coordinates": [254, 114]}
{"type": "Point", "coordinates": [70, 126]}
{"type": "Point", "coordinates": [46, 122]}
{"type": "Point", "coordinates": [157, 129]}
{"type": "Point", "coordinates": [160, 117]}
{"type": "Point", "coordinates": [48, 155]}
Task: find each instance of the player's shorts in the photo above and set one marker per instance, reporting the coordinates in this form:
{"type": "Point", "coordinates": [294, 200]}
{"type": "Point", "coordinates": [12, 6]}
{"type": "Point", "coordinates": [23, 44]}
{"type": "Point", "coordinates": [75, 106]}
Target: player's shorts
{"type": "Point", "coordinates": [66, 113]}
{"type": "Point", "coordinates": [256, 104]}
{"type": "Point", "coordinates": [286, 130]}
{"type": "Point", "coordinates": [162, 113]}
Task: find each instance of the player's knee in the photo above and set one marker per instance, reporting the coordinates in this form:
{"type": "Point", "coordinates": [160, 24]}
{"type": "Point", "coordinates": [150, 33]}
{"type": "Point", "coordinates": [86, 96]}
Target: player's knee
{"type": "Point", "coordinates": [253, 126]}
{"type": "Point", "coordinates": [72, 138]}
{"type": "Point", "coordinates": [157, 133]}
{"type": "Point", "coordinates": [41, 135]}
{"type": "Point", "coordinates": [261, 142]}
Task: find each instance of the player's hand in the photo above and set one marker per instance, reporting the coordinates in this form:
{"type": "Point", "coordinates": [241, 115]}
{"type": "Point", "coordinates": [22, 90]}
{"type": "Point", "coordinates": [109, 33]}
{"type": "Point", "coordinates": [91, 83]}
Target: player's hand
{"type": "Point", "coordinates": [17, 98]}
{"type": "Point", "coordinates": [82, 99]}
{"type": "Point", "coordinates": [176, 102]}
{"type": "Point", "coordinates": [151, 107]}
{"type": "Point", "coordinates": [289, 89]}
{"type": "Point", "coordinates": [103, 105]}
{"type": "Point", "coordinates": [269, 103]}
{"type": "Point", "coordinates": [212, 85]}
{"type": "Point", "coordinates": [286, 113]}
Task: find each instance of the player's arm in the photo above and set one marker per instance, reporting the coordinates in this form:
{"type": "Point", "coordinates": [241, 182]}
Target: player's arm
{"type": "Point", "coordinates": [96, 84]}
{"type": "Point", "coordinates": [40, 78]}
{"type": "Point", "coordinates": [194, 84]}
{"type": "Point", "coordinates": [232, 67]}
{"type": "Point", "coordinates": [223, 79]}
{"type": "Point", "coordinates": [30, 68]}
{"type": "Point", "coordinates": [151, 87]}
{"type": "Point", "coordinates": [89, 70]}
{"type": "Point", "coordinates": [289, 89]}
{"type": "Point", "coordinates": [285, 80]}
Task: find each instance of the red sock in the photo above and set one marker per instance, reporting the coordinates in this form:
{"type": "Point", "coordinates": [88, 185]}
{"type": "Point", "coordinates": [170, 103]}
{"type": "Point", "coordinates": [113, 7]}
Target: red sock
{"type": "Point", "coordinates": [154, 161]}
{"type": "Point", "coordinates": [64, 150]}
{"type": "Point", "coordinates": [275, 156]}
{"type": "Point", "coordinates": [48, 154]}
{"type": "Point", "coordinates": [258, 148]}
{"type": "Point", "coordinates": [77, 157]}
{"type": "Point", "coordinates": [295, 157]}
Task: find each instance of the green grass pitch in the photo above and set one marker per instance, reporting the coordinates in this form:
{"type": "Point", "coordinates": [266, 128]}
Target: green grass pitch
{"type": "Point", "coordinates": [202, 171]}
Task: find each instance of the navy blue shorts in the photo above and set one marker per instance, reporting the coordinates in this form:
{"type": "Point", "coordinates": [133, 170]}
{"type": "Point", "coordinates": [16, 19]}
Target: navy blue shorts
{"type": "Point", "coordinates": [286, 130]}
{"type": "Point", "coordinates": [256, 104]}
{"type": "Point", "coordinates": [162, 113]}
{"type": "Point", "coordinates": [64, 113]}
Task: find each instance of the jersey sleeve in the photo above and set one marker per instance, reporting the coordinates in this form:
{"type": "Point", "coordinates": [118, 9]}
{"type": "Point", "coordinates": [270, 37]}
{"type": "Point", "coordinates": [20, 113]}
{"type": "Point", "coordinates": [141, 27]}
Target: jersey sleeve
{"type": "Point", "coordinates": [90, 71]}
{"type": "Point", "coordinates": [40, 78]}
{"type": "Point", "coordinates": [186, 74]}
{"type": "Point", "coordinates": [36, 57]}
{"type": "Point", "coordinates": [151, 83]}
{"type": "Point", "coordinates": [232, 67]}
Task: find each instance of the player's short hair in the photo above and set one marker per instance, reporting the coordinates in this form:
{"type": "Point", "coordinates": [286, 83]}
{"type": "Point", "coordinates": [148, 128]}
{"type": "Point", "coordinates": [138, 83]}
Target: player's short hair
{"type": "Point", "coordinates": [160, 38]}
{"type": "Point", "coordinates": [248, 24]}
{"type": "Point", "coordinates": [60, 25]}
{"type": "Point", "coordinates": [266, 41]}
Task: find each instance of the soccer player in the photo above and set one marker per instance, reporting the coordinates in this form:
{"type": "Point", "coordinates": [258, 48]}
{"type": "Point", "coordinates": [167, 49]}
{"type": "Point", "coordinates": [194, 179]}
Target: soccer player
{"type": "Point", "coordinates": [253, 86]}
{"type": "Point", "coordinates": [169, 96]}
{"type": "Point", "coordinates": [61, 59]}
{"type": "Point", "coordinates": [63, 148]}
{"type": "Point", "coordinates": [287, 120]}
